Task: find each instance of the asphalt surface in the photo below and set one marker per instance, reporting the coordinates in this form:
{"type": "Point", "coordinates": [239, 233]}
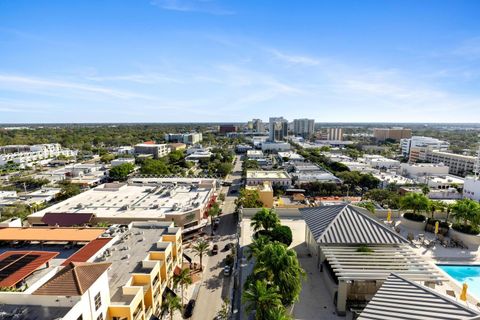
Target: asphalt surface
{"type": "Point", "coordinates": [215, 285]}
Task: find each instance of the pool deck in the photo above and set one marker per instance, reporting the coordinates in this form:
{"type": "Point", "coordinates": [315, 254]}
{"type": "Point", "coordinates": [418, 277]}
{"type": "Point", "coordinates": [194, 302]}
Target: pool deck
{"type": "Point", "coordinates": [441, 255]}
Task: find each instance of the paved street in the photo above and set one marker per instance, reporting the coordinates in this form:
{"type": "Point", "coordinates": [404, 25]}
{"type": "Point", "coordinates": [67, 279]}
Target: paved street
{"type": "Point", "coordinates": [215, 286]}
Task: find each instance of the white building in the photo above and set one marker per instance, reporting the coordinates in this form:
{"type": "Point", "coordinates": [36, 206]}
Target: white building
{"type": "Point", "coordinates": [276, 178]}
{"type": "Point", "coordinates": [255, 154]}
{"type": "Point", "coordinates": [291, 156]}
{"type": "Point", "coordinates": [275, 146]}
{"type": "Point", "coordinates": [120, 161]}
{"type": "Point", "coordinates": [447, 181]}
{"type": "Point", "coordinates": [422, 169]}
{"type": "Point", "coordinates": [388, 178]}
{"type": "Point", "coordinates": [187, 138]}
{"type": "Point", "coordinates": [471, 188]}
{"type": "Point", "coordinates": [156, 150]}
{"type": "Point", "coordinates": [40, 153]}
{"type": "Point", "coordinates": [304, 127]}
{"type": "Point", "coordinates": [182, 200]}
{"type": "Point", "coordinates": [420, 141]}
{"type": "Point", "coordinates": [380, 162]}
{"type": "Point", "coordinates": [258, 125]}
{"type": "Point", "coordinates": [458, 164]}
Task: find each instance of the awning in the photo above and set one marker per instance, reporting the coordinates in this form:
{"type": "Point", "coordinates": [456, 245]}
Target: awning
{"type": "Point", "coordinates": [64, 219]}
{"type": "Point", "coordinates": [349, 263]}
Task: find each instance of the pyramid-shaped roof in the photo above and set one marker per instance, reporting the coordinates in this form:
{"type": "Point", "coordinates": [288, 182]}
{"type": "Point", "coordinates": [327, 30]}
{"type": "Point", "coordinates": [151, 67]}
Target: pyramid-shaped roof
{"type": "Point", "coordinates": [73, 280]}
{"type": "Point", "coordinates": [399, 298]}
{"type": "Point", "coordinates": [347, 224]}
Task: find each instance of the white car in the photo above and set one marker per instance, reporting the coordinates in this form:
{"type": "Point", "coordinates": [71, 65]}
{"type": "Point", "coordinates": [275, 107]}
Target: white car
{"type": "Point", "coordinates": [226, 271]}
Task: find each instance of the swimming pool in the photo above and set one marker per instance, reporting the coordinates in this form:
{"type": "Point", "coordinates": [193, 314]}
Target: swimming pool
{"type": "Point", "coordinates": [469, 274]}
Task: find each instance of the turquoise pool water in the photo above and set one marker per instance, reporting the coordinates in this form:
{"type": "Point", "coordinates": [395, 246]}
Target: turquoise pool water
{"type": "Point", "coordinates": [465, 273]}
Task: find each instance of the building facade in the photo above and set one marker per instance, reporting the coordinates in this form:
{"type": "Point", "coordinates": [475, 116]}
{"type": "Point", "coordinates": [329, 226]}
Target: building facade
{"type": "Point", "coordinates": [382, 134]}
{"type": "Point", "coordinates": [156, 150]}
{"type": "Point", "coordinates": [304, 127]}
{"type": "Point", "coordinates": [278, 128]}
{"type": "Point", "coordinates": [420, 141]}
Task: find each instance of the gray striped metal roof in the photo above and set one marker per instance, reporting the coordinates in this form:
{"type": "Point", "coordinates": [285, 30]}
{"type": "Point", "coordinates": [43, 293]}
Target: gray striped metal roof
{"type": "Point", "coordinates": [346, 224]}
{"type": "Point", "coordinates": [399, 298]}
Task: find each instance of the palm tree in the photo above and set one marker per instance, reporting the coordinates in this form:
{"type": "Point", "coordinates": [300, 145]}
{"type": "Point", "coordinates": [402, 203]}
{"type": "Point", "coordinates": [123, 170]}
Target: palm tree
{"type": "Point", "coordinates": [172, 304]}
{"type": "Point", "coordinates": [256, 247]}
{"type": "Point", "coordinates": [425, 190]}
{"type": "Point", "coordinates": [261, 298]}
{"type": "Point", "coordinates": [200, 248]}
{"type": "Point", "coordinates": [278, 264]}
{"type": "Point", "coordinates": [434, 205]}
{"type": "Point", "coordinates": [265, 219]}
{"type": "Point", "coordinates": [414, 201]}
{"type": "Point", "coordinates": [467, 210]}
{"type": "Point", "coordinates": [184, 279]}
{"type": "Point", "coordinates": [448, 208]}
{"type": "Point", "coordinates": [212, 213]}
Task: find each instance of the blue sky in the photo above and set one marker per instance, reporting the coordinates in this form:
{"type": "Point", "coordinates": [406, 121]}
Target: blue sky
{"type": "Point", "coordinates": [208, 60]}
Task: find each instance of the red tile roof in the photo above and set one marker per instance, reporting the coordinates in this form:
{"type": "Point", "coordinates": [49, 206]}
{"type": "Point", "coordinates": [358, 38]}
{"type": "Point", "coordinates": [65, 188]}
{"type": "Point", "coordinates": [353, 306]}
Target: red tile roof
{"type": "Point", "coordinates": [87, 251]}
{"type": "Point", "coordinates": [24, 262]}
{"type": "Point", "coordinates": [73, 280]}
{"type": "Point", "coordinates": [65, 219]}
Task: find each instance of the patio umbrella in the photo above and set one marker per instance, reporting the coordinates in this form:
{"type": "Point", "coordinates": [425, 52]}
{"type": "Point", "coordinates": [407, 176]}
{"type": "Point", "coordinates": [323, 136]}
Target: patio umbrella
{"type": "Point", "coordinates": [436, 227]}
{"type": "Point", "coordinates": [463, 295]}
{"type": "Point", "coordinates": [389, 215]}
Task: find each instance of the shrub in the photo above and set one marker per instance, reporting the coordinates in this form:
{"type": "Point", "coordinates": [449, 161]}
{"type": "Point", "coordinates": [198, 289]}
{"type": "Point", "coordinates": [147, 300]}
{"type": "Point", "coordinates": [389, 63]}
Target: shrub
{"type": "Point", "coordinates": [443, 226]}
{"type": "Point", "coordinates": [468, 229]}
{"type": "Point", "coordinates": [282, 234]}
{"type": "Point", "coordinates": [414, 216]}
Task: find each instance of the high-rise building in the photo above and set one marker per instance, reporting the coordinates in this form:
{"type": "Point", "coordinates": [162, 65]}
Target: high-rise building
{"type": "Point", "coordinates": [278, 128]}
{"type": "Point", "coordinates": [304, 127]}
{"type": "Point", "coordinates": [335, 134]}
{"type": "Point", "coordinates": [257, 125]}
{"type": "Point", "coordinates": [420, 141]}
{"type": "Point", "coordinates": [382, 134]}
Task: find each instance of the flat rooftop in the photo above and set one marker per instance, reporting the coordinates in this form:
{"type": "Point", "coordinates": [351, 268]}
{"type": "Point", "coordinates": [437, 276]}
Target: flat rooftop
{"type": "Point", "coordinates": [128, 253]}
{"type": "Point", "coordinates": [267, 175]}
{"type": "Point", "coordinates": [50, 234]}
{"type": "Point", "coordinates": [132, 200]}
{"type": "Point", "coordinates": [32, 312]}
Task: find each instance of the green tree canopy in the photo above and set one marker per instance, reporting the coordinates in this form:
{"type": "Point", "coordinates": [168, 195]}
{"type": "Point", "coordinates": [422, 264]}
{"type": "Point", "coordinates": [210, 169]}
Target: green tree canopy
{"type": "Point", "coordinates": [121, 172]}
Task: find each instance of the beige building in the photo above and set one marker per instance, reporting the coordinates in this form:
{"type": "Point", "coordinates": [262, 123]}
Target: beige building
{"type": "Point", "coordinates": [458, 164]}
{"type": "Point", "coordinates": [382, 134]}
{"type": "Point", "coordinates": [265, 193]}
{"type": "Point", "coordinates": [276, 178]}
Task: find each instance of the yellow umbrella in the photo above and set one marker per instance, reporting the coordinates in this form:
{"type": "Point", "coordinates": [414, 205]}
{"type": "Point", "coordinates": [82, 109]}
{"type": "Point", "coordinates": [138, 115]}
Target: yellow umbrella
{"type": "Point", "coordinates": [463, 295]}
{"type": "Point", "coordinates": [436, 227]}
{"type": "Point", "coordinates": [389, 215]}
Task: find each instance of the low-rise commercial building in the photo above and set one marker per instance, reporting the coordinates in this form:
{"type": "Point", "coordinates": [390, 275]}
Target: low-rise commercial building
{"type": "Point", "coordinates": [185, 201]}
{"type": "Point", "coordinates": [265, 193]}
{"type": "Point", "coordinates": [37, 154]}
{"type": "Point", "coordinates": [447, 181]}
{"type": "Point", "coordinates": [255, 154]}
{"type": "Point", "coordinates": [178, 146]}
{"type": "Point", "coordinates": [388, 178]}
{"type": "Point", "coordinates": [412, 170]}
{"type": "Point", "coordinates": [291, 156]}
{"type": "Point", "coordinates": [156, 150]}
{"type": "Point", "coordinates": [276, 178]}
{"type": "Point", "coordinates": [459, 165]}
{"type": "Point", "coordinates": [275, 146]}
{"type": "Point", "coordinates": [186, 138]}
{"type": "Point", "coordinates": [120, 161]}
{"type": "Point", "coordinates": [89, 273]}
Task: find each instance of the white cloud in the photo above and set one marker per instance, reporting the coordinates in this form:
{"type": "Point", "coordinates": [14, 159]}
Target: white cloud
{"type": "Point", "coordinates": [209, 7]}
{"type": "Point", "coordinates": [39, 85]}
{"type": "Point", "coordinates": [295, 59]}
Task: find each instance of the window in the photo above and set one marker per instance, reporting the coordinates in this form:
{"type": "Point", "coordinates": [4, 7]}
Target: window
{"type": "Point", "coordinates": [80, 318]}
{"type": "Point", "coordinates": [100, 316]}
{"type": "Point", "coordinates": [98, 302]}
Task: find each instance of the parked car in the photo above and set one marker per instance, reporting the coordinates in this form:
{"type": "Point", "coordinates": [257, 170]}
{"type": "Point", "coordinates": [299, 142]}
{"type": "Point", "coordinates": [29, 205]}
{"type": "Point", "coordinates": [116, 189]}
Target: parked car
{"type": "Point", "coordinates": [226, 271]}
{"type": "Point", "coordinates": [217, 220]}
{"type": "Point", "coordinates": [188, 312]}
{"type": "Point", "coordinates": [214, 249]}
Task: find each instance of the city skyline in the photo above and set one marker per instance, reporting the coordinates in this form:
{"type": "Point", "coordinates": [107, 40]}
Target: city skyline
{"type": "Point", "coordinates": [216, 61]}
